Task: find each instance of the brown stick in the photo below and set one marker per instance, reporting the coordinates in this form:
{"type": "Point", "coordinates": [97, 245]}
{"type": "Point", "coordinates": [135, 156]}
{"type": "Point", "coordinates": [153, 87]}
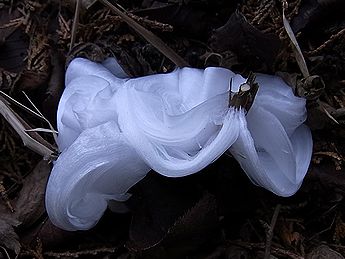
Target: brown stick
{"type": "Point", "coordinates": [149, 36]}
{"type": "Point", "coordinates": [275, 250]}
{"type": "Point", "coordinates": [269, 234]}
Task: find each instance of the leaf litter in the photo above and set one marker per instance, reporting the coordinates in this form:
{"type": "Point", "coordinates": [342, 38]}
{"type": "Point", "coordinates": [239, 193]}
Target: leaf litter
{"type": "Point", "coordinates": [217, 213]}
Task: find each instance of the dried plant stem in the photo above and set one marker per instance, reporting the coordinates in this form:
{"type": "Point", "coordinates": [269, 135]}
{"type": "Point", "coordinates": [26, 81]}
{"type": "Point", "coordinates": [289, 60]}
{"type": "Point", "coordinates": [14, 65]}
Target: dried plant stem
{"type": "Point", "coordinates": [17, 124]}
{"type": "Point", "coordinates": [75, 24]}
{"type": "Point", "coordinates": [295, 46]}
{"type": "Point", "coordinates": [75, 254]}
{"type": "Point", "coordinates": [152, 24]}
{"type": "Point", "coordinates": [275, 250]}
{"type": "Point", "coordinates": [5, 251]}
{"type": "Point", "coordinates": [269, 234]}
{"type": "Point", "coordinates": [327, 43]}
{"type": "Point", "coordinates": [149, 36]}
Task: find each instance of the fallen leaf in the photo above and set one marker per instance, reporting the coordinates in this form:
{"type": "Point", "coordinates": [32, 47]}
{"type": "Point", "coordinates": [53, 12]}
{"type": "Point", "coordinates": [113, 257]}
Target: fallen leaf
{"type": "Point", "coordinates": [326, 175]}
{"type": "Point", "coordinates": [52, 236]}
{"type": "Point", "coordinates": [339, 230]}
{"type": "Point", "coordinates": [160, 202]}
{"type": "Point", "coordinates": [32, 80]}
{"type": "Point", "coordinates": [324, 252]}
{"type": "Point", "coordinates": [311, 87]}
{"type": "Point", "coordinates": [55, 87]}
{"type": "Point", "coordinates": [13, 43]}
{"type": "Point", "coordinates": [240, 36]}
{"type": "Point", "coordinates": [197, 227]}
{"type": "Point", "coordinates": [9, 238]}
{"type": "Point", "coordinates": [313, 11]}
{"type": "Point", "coordinates": [29, 206]}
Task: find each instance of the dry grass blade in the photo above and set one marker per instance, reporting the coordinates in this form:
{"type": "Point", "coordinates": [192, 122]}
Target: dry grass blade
{"type": "Point", "coordinates": [42, 130]}
{"type": "Point", "coordinates": [18, 126]}
{"type": "Point", "coordinates": [14, 101]}
{"type": "Point", "coordinates": [75, 24]}
{"type": "Point", "coordinates": [296, 49]}
{"type": "Point", "coordinates": [5, 251]}
{"type": "Point", "coordinates": [149, 36]}
{"type": "Point", "coordinates": [36, 113]}
{"type": "Point", "coordinates": [52, 130]}
{"type": "Point", "coordinates": [329, 115]}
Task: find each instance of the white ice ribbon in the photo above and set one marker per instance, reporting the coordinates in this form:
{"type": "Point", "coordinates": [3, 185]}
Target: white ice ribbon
{"type": "Point", "coordinates": [113, 130]}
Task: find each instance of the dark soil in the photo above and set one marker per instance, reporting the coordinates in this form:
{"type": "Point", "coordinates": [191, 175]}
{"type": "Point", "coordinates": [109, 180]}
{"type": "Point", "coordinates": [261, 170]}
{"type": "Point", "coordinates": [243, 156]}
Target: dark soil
{"type": "Point", "coordinates": [217, 213]}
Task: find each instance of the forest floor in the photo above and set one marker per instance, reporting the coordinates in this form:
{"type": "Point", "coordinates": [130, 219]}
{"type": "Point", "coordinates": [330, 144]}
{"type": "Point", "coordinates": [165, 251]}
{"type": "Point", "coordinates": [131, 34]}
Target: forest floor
{"type": "Point", "coordinates": [217, 213]}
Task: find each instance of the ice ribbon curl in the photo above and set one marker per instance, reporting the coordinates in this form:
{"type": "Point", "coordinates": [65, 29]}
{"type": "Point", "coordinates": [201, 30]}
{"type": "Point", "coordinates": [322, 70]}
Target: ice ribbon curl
{"type": "Point", "coordinates": [113, 130]}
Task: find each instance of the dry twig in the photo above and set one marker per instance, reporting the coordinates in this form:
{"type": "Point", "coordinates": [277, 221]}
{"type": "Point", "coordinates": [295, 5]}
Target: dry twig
{"type": "Point", "coordinates": [81, 253]}
{"type": "Point", "coordinates": [149, 36]}
{"type": "Point", "coordinates": [269, 234]}
{"type": "Point", "coordinates": [327, 43]}
{"type": "Point", "coordinates": [274, 250]}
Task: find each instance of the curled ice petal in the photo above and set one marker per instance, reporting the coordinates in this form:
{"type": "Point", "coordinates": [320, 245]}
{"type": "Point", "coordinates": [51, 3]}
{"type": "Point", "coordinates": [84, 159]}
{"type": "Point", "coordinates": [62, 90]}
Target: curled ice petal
{"type": "Point", "coordinates": [302, 143]}
{"type": "Point", "coordinates": [97, 167]}
{"type": "Point", "coordinates": [183, 153]}
{"type": "Point", "coordinates": [274, 149]}
{"type": "Point", "coordinates": [176, 135]}
{"type": "Point", "coordinates": [275, 96]}
{"type": "Point", "coordinates": [86, 100]}
{"type": "Point", "coordinates": [80, 67]}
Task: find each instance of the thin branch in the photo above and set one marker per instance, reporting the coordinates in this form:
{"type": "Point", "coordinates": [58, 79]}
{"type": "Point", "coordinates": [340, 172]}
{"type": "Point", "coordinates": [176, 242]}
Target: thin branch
{"type": "Point", "coordinates": [76, 254]}
{"type": "Point", "coordinates": [275, 250]}
{"type": "Point", "coordinates": [149, 36]}
{"type": "Point", "coordinates": [269, 234]}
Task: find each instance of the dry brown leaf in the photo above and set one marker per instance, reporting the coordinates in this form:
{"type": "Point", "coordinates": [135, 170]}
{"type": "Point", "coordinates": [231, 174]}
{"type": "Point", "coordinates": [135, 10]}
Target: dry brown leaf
{"type": "Point", "coordinates": [324, 252]}
{"type": "Point", "coordinates": [339, 231]}
{"type": "Point", "coordinates": [30, 203]}
{"type": "Point", "coordinates": [288, 233]}
{"type": "Point", "coordinates": [243, 38]}
{"type": "Point", "coordinates": [157, 205]}
{"type": "Point", "coordinates": [55, 86]}
{"type": "Point", "coordinates": [9, 238]}
{"type": "Point", "coordinates": [29, 207]}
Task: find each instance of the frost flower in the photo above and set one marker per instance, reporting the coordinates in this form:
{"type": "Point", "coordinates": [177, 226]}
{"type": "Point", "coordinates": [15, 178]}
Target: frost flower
{"type": "Point", "coordinates": [113, 130]}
